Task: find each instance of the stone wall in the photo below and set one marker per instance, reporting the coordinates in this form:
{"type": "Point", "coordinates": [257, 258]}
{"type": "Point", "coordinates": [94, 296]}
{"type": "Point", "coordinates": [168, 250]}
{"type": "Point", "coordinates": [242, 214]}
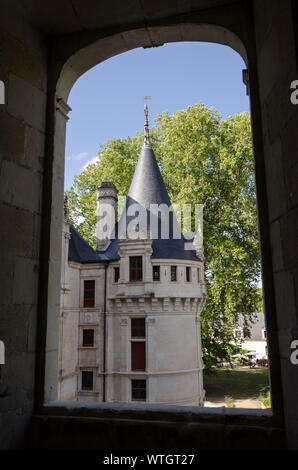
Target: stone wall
{"type": "Point", "coordinates": [277, 66]}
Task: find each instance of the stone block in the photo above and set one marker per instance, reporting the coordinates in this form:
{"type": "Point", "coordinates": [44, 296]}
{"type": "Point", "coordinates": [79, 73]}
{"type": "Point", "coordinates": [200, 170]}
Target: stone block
{"type": "Point", "coordinates": [6, 279]}
{"type": "Point", "coordinates": [269, 64]}
{"type": "Point", "coordinates": [291, 182]}
{"type": "Point", "coordinates": [25, 281]}
{"type": "Point", "coordinates": [289, 237]}
{"type": "Point", "coordinates": [11, 138]}
{"type": "Point", "coordinates": [276, 246]}
{"type": "Point", "coordinates": [34, 148]}
{"type": "Point", "coordinates": [14, 328]}
{"type": "Point", "coordinates": [18, 382]}
{"type": "Point", "coordinates": [26, 102]}
{"type": "Point", "coordinates": [290, 389]}
{"type": "Point", "coordinates": [22, 62]}
{"type": "Point", "coordinates": [285, 299]}
{"type": "Point", "coordinates": [16, 234]}
{"type": "Point", "coordinates": [290, 143]}
{"type": "Point", "coordinates": [36, 236]}
{"type": "Point", "coordinates": [20, 187]}
{"type": "Point", "coordinates": [275, 180]}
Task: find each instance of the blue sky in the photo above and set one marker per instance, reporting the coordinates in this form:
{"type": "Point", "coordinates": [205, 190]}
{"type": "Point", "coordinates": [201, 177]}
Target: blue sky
{"type": "Point", "coordinates": [108, 100]}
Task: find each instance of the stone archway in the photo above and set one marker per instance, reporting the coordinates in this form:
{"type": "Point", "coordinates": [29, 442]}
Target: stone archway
{"type": "Point", "coordinates": [78, 57]}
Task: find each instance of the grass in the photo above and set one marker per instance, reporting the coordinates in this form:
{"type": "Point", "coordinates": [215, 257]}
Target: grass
{"type": "Point", "coordinates": [237, 384]}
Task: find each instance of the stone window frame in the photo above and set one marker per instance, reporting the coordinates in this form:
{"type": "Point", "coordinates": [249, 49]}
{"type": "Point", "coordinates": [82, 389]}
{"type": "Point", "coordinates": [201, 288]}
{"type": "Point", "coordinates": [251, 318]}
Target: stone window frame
{"type": "Point", "coordinates": [136, 269]}
{"type": "Point", "coordinates": [158, 271]}
{"type": "Point", "coordinates": [86, 290]}
{"type": "Point", "coordinates": [87, 372]}
{"type": "Point", "coordinates": [138, 380]}
{"type": "Point", "coordinates": [84, 345]}
{"type": "Point", "coordinates": [138, 328]}
{"type": "Point", "coordinates": [116, 274]}
{"type": "Point", "coordinates": [62, 77]}
{"type": "Point", "coordinates": [175, 267]}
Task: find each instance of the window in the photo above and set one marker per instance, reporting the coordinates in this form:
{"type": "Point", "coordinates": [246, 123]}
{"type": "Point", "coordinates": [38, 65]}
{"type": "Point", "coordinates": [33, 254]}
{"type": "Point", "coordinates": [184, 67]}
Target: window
{"type": "Point", "coordinates": [138, 356]}
{"type": "Point", "coordinates": [156, 273]}
{"type": "Point", "coordinates": [116, 274]}
{"type": "Point", "coordinates": [173, 273]}
{"type": "Point", "coordinates": [89, 293]}
{"type": "Point", "coordinates": [138, 327]}
{"type": "Point", "coordinates": [88, 338]}
{"type": "Point", "coordinates": [138, 390]}
{"type": "Point", "coordinates": [264, 334]}
{"type": "Point", "coordinates": [135, 268]}
{"type": "Point", "coordinates": [87, 380]}
{"type": "Point", "coordinates": [187, 274]}
{"type": "Point", "coordinates": [199, 274]}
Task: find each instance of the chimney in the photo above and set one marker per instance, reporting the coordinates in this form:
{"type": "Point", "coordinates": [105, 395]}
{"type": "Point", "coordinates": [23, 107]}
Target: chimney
{"type": "Point", "coordinates": [107, 200]}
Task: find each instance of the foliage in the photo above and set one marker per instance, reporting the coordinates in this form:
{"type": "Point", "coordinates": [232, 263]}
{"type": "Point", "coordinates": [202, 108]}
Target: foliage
{"type": "Point", "coordinates": [229, 402]}
{"type": "Point", "coordinates": [203, 159]}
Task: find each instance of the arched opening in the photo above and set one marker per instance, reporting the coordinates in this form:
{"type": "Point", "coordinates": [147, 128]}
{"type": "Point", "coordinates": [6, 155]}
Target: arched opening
{"type": "Point", "coordinates": [78, 63]}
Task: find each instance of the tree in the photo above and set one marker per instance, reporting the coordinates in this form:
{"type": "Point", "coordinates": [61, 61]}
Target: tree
{"type": "Point", "coordinates": [207, 160]}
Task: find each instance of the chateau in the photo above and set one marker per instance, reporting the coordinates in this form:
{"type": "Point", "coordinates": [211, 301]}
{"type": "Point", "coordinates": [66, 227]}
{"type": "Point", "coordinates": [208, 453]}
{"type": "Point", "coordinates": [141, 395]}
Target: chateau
{"type": "Point", "coordinates": [130, 311]}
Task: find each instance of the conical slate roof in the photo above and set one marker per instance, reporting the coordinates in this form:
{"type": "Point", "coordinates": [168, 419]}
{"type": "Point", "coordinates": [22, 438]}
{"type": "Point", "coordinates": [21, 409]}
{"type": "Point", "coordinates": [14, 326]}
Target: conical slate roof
{"type": "Point", "coordinates": [147, 188]}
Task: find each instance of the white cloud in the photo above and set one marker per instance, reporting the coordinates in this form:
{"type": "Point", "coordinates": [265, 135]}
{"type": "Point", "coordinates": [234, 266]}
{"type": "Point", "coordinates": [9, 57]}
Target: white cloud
{"type": "Point", "coordinates": [92, 160]}
{"type": "Point", "coordinates": [80, 156]}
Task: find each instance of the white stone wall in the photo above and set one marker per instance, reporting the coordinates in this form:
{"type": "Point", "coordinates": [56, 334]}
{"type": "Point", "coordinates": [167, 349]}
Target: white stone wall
{"type": "Point", "coordinates": [173, 341]}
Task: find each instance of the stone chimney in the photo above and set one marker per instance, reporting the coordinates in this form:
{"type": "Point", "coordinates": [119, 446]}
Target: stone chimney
{"type": "Point", "coordinates": [107, 200]}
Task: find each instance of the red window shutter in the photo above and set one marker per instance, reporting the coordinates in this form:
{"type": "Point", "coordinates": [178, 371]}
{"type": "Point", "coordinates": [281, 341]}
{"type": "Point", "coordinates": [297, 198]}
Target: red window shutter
{"type": "Point", "coordinates": [138, 355]}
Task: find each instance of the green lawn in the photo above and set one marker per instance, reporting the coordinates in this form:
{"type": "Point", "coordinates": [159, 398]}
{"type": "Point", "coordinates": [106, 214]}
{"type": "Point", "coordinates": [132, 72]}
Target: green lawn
{"type": "Point", "coordinates": [239, 384]}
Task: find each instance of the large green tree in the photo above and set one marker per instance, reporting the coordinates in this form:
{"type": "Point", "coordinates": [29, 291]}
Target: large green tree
{"type": "Point", "coordinates": [207, 160]}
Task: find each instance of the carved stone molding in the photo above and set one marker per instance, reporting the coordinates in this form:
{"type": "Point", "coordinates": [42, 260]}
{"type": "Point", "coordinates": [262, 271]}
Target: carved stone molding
{"type": "Point", "coordinates": [166, 302]}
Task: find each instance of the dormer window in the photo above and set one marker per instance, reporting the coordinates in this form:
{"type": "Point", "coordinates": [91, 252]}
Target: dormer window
{"type": "Point", "coordinates": [156, 273]}
{"type": "Point", "coordinates": [135, 268]}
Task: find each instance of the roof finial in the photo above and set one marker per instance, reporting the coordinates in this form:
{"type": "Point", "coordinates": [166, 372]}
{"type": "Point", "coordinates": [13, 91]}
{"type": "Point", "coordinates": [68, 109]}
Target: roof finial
{"type": "Point", "coordinates": [146, 124]}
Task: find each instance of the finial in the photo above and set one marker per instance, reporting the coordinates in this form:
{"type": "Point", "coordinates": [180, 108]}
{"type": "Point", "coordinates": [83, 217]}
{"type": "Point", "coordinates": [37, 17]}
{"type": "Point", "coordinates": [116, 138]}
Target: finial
{"type": "Point", "coordinates": [146, 123]}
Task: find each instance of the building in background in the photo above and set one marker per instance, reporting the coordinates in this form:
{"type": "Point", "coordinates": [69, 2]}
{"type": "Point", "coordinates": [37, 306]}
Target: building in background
{"type": "Point", "coordinates": [257, 341]}
{"type": "Point", "coordinates": [130, 310]}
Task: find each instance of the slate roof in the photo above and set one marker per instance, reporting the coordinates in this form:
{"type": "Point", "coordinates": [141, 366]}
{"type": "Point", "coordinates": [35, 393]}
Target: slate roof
{"type": "Point", "coordinates": [147, 187]}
